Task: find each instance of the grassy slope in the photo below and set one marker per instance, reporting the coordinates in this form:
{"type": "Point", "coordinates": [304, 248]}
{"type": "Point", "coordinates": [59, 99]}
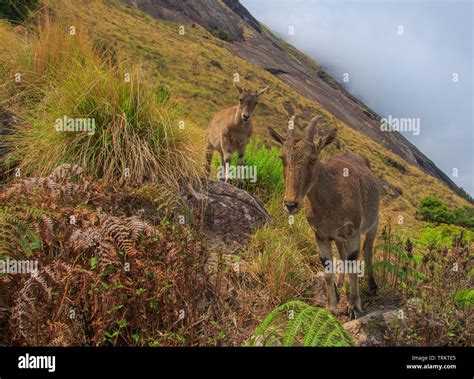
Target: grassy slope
{"type": "Point", "coordinates": [281, 256]}
{"type": "Point", "coordinates": [182, 62]}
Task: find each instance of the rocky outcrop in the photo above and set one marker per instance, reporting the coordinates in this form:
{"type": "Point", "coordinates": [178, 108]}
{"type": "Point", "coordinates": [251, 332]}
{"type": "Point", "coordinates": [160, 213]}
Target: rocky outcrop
{"type": "Point", "coordinates": [229, 215]}
{"type": "Point", "coordinates": [369, 330]}
{"type": "Point", "coordinates": [254, 43]}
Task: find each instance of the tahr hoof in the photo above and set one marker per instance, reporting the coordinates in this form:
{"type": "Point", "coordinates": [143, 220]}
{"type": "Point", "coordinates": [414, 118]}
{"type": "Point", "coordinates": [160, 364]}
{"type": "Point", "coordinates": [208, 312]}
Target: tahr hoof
{"type": "Point", "coordinates": [373, 288]}
{"type": "Point", "coordinates": [354, 313]}
{"type": "Point", "coordinates": [333, 310]}
{"type": "Point", "coordinates": [337, 294]}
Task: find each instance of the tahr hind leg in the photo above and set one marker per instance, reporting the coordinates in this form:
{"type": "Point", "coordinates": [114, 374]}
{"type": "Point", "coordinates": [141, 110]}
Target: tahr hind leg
{"type": "Point", "coordinates": [353, 248]}
{"type": "Point", "coordinates": [368, 254]}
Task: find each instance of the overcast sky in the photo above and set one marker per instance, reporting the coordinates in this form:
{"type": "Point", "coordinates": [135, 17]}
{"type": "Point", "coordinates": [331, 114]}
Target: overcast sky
{"type": "Point", "coordinates": [402, 75]}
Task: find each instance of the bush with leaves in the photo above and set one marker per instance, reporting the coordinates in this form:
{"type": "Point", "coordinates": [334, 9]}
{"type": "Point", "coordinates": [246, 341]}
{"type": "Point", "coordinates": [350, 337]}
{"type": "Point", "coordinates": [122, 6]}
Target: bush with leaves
{"type": "Point", "coordinates": [433, 274]}
{"type": "Point", "coordinates": [434, 210]}
{"type": "Point", "coordinates": [222, 34]}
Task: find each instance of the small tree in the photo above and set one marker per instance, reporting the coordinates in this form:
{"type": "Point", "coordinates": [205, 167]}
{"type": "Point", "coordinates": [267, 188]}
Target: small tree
{"type": "Point", "coordinates": [432, 209]}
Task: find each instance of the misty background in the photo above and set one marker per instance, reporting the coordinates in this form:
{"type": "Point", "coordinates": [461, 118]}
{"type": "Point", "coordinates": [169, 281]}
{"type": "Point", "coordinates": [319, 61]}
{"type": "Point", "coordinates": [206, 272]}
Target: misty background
{"type": "Point", "coordinates": [402, 75]}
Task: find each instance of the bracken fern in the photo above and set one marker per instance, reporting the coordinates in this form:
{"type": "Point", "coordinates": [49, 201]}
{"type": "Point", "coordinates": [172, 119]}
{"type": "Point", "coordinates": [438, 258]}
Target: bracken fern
{"type": "Point", "coordinates": [296, 323]}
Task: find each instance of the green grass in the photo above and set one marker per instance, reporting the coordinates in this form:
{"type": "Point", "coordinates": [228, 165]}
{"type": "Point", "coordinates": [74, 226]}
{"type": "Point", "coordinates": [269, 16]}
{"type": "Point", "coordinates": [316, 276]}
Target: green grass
{"type": "Point", "coordinates": [17, 10]}
{"type": "Point", "coordinates": [464, 298]}
{"type": "Point", "coordinates": [443, 236]}
{"type": "Point", "coordinates": [269, 168]}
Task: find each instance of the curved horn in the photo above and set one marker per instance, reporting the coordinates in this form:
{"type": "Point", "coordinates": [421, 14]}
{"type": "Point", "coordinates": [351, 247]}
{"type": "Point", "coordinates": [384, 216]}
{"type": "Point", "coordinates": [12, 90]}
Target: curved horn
{"type": "Point", "coordinates": [311, 128]}
{"type": "Point", "coordinates": [262, 91]}
{"type": "Point", "coordinates": [239, 89]}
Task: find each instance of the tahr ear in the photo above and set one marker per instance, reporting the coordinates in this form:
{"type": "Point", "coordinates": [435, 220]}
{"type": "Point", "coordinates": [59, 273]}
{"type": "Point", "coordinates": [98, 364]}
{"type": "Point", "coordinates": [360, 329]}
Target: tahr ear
{"type": "Point", "coordinates": [276, 136]}
{"type": "Point", "coordinates": [262, 91]}
{"type": "Point", "coordinates": [238, 88]}
{"type": "Point", "coordinates": [327, 139]}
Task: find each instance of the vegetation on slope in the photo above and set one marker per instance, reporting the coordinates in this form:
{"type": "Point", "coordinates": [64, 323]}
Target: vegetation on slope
{"type": "Point", "coordinates": [17, 10]}
{"type": "Point", "coordinates": [183, 63]}
{"type": "Point", "coordinates": [296, 323]}
{"type": "Point", "coordinates": [432, 209]}
{"type": "Point", "coordinates": [172, 84]}
{"type": "Point", "coordinates": [105, 278]}
{"type": "Point", "coordinates": [135, 135]}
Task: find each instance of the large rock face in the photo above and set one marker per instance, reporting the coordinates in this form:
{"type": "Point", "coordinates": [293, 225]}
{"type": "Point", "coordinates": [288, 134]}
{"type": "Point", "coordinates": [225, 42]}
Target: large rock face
{"type": "Point", "coordinates": [254, 43]}
{"type": "Point", "coordinates": [229, 215]}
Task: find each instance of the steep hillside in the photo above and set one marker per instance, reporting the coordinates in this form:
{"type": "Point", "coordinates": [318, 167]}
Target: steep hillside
{"type": "Point", "coordinates": [199, 69]}
{"type": "Point", "coordinates": [250, 40]}
{"type": "Point", "coordinates": [125, 229]}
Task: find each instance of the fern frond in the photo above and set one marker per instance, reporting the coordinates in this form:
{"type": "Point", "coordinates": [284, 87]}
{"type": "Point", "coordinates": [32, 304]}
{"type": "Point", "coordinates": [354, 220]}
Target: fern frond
{"type": "Point", "coordinates": [310, 326]}
{"type": "Point", "coordinates": [294, 325]}
{"type": "Point", "coordinates": [391, 248]}
{"type": "Point", "coordinates": [314, 332]}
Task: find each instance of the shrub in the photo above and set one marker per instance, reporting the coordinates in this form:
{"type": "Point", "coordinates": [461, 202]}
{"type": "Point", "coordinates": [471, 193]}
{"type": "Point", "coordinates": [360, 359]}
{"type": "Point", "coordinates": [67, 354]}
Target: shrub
{"type": "Point", "coordinates": [433, 209]}
{"type": "Point", "coordinates": [222, 34]}
{"type": "Point", "coordinates": [464, 216]}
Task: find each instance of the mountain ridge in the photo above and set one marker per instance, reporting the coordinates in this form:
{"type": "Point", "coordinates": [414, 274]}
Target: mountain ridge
{"type": "Point", "coordinates": [255, 43]}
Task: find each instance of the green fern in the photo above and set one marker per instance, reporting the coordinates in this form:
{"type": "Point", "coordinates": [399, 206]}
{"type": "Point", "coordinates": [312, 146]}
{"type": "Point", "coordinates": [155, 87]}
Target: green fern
{"type": "Point", "coordinates": [394, 249]}
{"type": "Point", "coordinates": [17, 231]}
{"type": "Point", "coordinates": [306, 326]}
{"type": "Point", "coordinates": [464, 298]}
{"type": "Point", "coordinates": [401, 266]}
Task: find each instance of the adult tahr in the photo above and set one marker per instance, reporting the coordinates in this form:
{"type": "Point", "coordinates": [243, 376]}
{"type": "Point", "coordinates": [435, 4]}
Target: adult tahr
{"type": "Point", "coordinates": [341, 202]}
